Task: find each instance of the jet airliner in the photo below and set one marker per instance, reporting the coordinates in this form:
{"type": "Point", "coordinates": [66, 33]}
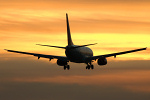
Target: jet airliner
{"type": "Point", "coordinates": [76, 53]}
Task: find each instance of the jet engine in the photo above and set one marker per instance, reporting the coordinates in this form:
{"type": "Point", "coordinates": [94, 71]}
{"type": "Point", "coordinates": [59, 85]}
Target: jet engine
{"type": "Point", "coordinates": [61, 62]}
{"type": "Point", "coordinates": [102, 61]}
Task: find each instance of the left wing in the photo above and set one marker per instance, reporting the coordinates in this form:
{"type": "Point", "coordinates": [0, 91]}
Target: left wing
{"type": "Point", "coordinates": [115, 54]}
{"type": "Point", "coordinates": [39, 55]}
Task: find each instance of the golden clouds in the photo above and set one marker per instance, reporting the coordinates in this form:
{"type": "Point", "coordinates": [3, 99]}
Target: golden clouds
{"type": "Point", "coordinates": [112, 24]}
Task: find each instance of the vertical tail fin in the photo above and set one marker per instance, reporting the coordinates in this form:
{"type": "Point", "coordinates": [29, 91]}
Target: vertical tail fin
{"type": "Point", "coordinates": [68, 31]}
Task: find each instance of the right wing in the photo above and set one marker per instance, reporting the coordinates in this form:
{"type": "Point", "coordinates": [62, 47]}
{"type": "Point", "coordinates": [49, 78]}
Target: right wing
{"type": "Point", "coordinates": [115, 54]}
{"type": "Point", "coordinates": [39, 55]}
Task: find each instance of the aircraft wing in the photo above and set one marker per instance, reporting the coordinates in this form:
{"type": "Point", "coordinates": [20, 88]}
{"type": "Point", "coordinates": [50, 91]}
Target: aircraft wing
{"type": "Point", "coordinates": [115, 54]}
{"type": "Point", "coordinates": [39, 55]}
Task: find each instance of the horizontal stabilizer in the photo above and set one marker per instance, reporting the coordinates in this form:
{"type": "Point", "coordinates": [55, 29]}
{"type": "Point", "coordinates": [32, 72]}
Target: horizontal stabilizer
{"type": "Point", "coordinates": [88, 45]}
{"type": "Point", "coordinates": [52, 46]}
{"type": "Point", "coordinates": [83, 46]}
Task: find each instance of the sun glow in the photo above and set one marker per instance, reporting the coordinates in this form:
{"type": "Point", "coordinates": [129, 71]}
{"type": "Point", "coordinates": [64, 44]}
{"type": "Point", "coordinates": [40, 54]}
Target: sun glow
{"type": "Point", "coordinates": [114, 28]}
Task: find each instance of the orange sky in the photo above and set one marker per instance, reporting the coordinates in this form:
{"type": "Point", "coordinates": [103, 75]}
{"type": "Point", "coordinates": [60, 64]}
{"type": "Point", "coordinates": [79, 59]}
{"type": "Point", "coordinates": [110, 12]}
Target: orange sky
{"type": "Point", "coordinates": [114, 25]}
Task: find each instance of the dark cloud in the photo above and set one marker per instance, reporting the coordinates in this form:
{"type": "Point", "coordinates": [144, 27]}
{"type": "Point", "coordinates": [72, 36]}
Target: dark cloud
{"type": "Point", "coordinates": [40, 91]}
{"type": "Point", "coordinates": [66, 88]}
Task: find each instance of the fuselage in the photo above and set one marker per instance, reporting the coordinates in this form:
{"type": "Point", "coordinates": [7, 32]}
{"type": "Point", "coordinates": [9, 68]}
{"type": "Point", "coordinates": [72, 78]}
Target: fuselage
{"type": "Point", "coordinates": [78, 55]}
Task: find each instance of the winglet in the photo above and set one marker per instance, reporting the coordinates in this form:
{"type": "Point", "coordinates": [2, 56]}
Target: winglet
{"type": "Point", "coordinates": [68, 31]}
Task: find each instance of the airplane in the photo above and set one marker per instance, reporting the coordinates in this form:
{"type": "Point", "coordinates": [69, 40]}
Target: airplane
{"type": "Point", "coordinates": [76, 53]}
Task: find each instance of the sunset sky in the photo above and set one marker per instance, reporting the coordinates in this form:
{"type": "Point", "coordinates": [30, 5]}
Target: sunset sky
{"type": "Point", "coordinates": [116, 25]}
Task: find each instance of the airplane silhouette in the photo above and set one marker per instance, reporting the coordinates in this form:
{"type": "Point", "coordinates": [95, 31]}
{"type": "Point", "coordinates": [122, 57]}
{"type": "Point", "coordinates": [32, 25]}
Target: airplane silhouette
{"type": "Point", "coordinates": [76, 53]}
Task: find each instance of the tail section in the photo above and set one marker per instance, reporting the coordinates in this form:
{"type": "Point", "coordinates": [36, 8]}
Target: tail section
{"type": "Point", "coordinates": [68, 31]}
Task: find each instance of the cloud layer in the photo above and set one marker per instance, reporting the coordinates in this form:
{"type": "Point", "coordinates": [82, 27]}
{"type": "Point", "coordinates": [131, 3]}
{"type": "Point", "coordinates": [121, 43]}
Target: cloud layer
{"type": "Point", "coordinates": [24, 78]}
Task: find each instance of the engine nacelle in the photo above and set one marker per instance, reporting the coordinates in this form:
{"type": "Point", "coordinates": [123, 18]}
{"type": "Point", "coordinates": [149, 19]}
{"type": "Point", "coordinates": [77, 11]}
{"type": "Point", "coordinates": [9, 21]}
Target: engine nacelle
{"type": "Point", "coordinates": [61, 62]}
{"type": "Point", "coordinates": [102, 61]}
